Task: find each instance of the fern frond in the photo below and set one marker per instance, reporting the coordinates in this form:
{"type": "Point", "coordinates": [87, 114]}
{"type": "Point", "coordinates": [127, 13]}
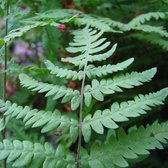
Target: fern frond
{"type": "Point", "coordinates": [55, 14]}
{"type": "Point", "coordinates": [63, 72]}
{"type": "Point", "coordinates": [155, 29]}
{"type": "Point", "coordinates": [20, 31]}
{"type": "Point", "coordinates": [153, 39]}
{"type": "Point", "coordinates": [121, 112]}
{"type": "Point", "coordinates": [52, 90]}
{"type": "Point", "coordinates": [91, 72]}
{"type": "Point", "coordinates": [22, 153]}
{"type": "Point", "coordinates": [46, 120]}
{"type": "Point", "coordinates": [99, 23]}
{"type": "Point", "coordinates": [88, 44]}
{"type": "Point", "coordinates": [146, 17]}
{"type": "Point", "coordinates": [109, 86]}
{"type": "Point", "coordinates": [118, 151]}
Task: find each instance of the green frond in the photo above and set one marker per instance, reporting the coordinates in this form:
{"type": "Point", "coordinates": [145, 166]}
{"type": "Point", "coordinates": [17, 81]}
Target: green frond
{"type": "Point", "coordinates": [153, 39]}
{"type": "Point", "coordinates": [155, 29]}
{"type": "Point", "coordinates": [116, 25]}
{"type": "Point", "coordinates": [20, 31]}
{"type": "Point", "coordinates": [87, 43]}
{"type": "Point", "coordinates": [63, 72]}
{"type": "Point", "coordinates": [91, 72]}
{"type": "Point", "coordinates": [99, 23]}
{"type": "Point", "coordinates": [55, 14]}
{"type": "Point", "coordinates": [121, 112]}
{"type": "Point", "coordinates": [22, 153]}
{"type": "Point", "coordinates": [146, 17]}
{"type": "Point", "coordinates": [52, 90]}
{"type": "Point", "coordinates": [118, 151]}
{"type": "Point", "coordinates": [46, 120]}
{"type": "Point", "coordinates": [109, 86]}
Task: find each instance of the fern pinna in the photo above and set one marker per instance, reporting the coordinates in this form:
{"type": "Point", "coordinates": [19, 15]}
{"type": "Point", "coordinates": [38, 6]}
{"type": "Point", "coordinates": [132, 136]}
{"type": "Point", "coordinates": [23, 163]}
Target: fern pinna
{"type": "Point", "coordinates": [96, 85]}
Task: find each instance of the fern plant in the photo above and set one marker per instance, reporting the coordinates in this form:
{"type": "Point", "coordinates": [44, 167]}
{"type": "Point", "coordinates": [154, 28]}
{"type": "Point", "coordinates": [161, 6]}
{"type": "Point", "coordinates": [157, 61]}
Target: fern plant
{"type": "Point", "coordinates": [88, 47]}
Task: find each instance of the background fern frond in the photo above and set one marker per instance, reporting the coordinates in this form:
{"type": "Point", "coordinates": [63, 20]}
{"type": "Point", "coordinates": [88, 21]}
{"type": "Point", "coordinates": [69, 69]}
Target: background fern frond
{"type": "Point", "coordinates": [46, 120]}
{"type": "Point", "coordinates": [52, 90]}
{"type": "Point", "coordinates": [20, 31]}
{"type": "Point", "coordinates": [109, 86]}
{"type": "Point", "coordinates": [99, 23]}
{"type": "Point", "coordinates": [154, 29]}
{"type": "Point", "coordinates": [146, 17]}
{"type": "Point", "coordinates": [121, 112]}
{"type": "Point", "coordinates": [23, 153]}
{"type": "Point", "coordinates": [153, 39]}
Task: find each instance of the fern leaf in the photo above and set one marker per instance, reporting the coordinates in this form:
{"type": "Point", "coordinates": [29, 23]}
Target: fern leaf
{"type": "Point", "coordinates": [153, 39]}
{"type": "Point", "coordinates": [109, 86]}
{"type": "Point", "coordinates": [154, 29]}
{"type": "Point", "coordinates": [118, 151]}
{"type": "Point", "coordinates": [87, 42]}
{"type": "Point", "coordinates": [55, 14]}
{"type": "Point", "coordinates": [52, 90]}
{"type": "Point", "coordinates": [46, 120]}
{"type": "Point", "coordinates": [121, 112]}
{"type": "Point", "coordinates": [146, 17]}
{"type": "Point", "coordinates": [91, 71]}
{"type": "Point", "coordinates": [22, 153]}
{"type": "Point", "coordinates": [63, 72]}
{"type": "Point", "coordinates": [20, 31]}
{"type": "Point", "coordinates": [98, 23]}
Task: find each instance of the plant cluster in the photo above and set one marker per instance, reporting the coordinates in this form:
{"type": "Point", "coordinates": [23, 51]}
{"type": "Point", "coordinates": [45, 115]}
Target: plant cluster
{"type": "Point", "coordinates": [77, 110]}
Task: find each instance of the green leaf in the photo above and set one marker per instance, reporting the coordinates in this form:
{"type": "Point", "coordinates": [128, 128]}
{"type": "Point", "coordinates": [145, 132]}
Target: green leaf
{"type": "Point", "coordinates": [46, 120]}
{"type": "Point", "coordinates": [52, 90]}
{"type": "Point", "coordinates": [2, 42]}
{"type": "Point", "coordinates": [75, 102]}
{"type": "Point", "coordinates": [109, 86]}
{"type": "Point", "coordinates": [22, 153]}
{"type": "Point", "coordinates": [87, 42]}
{"type": "Point", "coordinates": [122, 112]}
{"type": "Point", "coordinates": [117, 151]}
{"type": "Point", "coordinates": [95, 164]}
{"type": "Point", "coordinates": [87, 99]}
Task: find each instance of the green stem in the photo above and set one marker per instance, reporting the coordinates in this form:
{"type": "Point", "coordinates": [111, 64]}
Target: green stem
{"type": "Point", "coordinates": [80, 118]}
{"type": "Point", "coordinates": [5, 70]}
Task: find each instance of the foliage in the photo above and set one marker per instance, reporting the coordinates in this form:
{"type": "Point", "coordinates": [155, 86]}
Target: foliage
{"type": "Point", "coordinates": [85, 89]}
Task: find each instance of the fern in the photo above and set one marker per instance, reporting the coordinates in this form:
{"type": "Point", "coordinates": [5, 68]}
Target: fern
{"type": "Point", "coordinates": [146, 17]}
{"type": "Point", "coordinates": [20, 31]}
{"type": "Point", "coordinates": [87, 42]}
{"type": "Point", "coordinates": [87, 48]}
{"type": "Point", "coordinates": [121, 112]}
{"type": "Point", "coordinates": [117, 151]}
{"type": "Point", "coordinates": [153, 39]}
{"type": "Point", "coordinates": [92, 71]}
{"type": "Point", "coordinates": [148, 29]}
{"type": "Point", "coordinates": [109, 86]}
{"type": "Point", "coordinates": [55, 17]}
{"type": "Point", "coordinates": [100, 23]}
{"type": "Point", "coordinates": [46, 119]}
{"type": "Point", "coordinates": [22, 153]}
{"type": "Point", "coordinates": [52, 90]}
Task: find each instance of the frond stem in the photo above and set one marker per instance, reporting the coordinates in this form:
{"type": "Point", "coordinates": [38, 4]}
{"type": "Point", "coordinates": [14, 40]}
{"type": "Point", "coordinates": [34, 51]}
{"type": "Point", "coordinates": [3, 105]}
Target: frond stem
{"type": "Point", "coordinates": [5, 70]}
{"type": "Point", "coordinates": [80, 117]}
